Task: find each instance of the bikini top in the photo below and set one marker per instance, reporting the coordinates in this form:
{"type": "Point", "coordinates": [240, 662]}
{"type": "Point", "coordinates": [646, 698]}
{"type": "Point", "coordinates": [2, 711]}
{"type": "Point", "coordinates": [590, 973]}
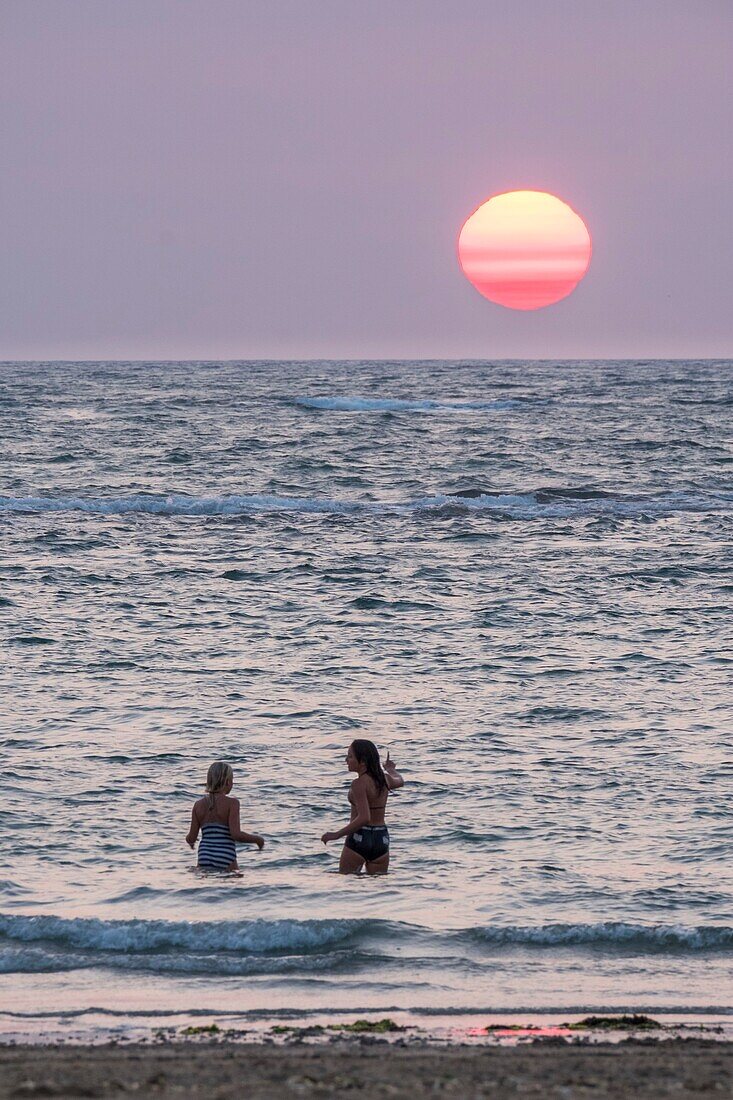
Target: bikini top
{"type": "Point", "coordinates": [376, 805]}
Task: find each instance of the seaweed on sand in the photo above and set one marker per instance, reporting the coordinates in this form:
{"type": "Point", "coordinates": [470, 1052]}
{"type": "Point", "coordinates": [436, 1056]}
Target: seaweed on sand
{"type": "Point", "coordinates": [374, 1027]}
{"type": "Point", "coordinates": [358, 1027]}
{"type": "Point", "coordinates": [637, 1022]}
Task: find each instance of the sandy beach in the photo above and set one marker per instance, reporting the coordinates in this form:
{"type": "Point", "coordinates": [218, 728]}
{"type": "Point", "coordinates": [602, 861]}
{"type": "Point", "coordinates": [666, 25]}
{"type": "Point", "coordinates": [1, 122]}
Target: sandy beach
{"type": "Point", "coordinates": [654, 1070]}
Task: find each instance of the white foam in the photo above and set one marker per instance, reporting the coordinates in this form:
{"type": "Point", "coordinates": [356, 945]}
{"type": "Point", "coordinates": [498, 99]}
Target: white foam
{"type": "Point", "coordinates": [37, 960]}
{"type": "Point", "coordinates": [513, 505]}
{"type": "Point", "coordinates": [104, 938]}
{"type": "Point", "coordinates": [249, 937]}
{"type": "Point", "coordinates": [653, 937]}
{"type": "Point", "coordinates": [175, 505]}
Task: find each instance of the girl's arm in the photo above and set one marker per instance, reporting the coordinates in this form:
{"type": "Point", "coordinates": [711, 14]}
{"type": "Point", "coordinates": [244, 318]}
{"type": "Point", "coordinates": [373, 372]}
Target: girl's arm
{"type": "Point", "coordinates": [235, 829]}
{"type": "Point", "coordinates": [393, 777]}
{"type": "Point", "coordinates": [362, 816]}
{"type": "Point", "coordinates": [193, 832]}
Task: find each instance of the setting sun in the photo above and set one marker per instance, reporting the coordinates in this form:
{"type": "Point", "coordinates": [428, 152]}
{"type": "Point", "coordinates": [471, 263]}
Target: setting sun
{"type": "Point", "coordinates": [524, 249]}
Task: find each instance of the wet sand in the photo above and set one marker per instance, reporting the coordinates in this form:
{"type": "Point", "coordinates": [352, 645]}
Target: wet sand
{"type": "Point", "coordinates": [632, 1070]}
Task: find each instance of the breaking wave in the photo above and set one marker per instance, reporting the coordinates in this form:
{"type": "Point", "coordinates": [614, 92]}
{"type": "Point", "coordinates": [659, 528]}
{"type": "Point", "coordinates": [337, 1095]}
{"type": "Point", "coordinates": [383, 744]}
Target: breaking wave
{"type": "Point", "coordinates": [252, 937]}
{"type": "Point", "coordinates": [538, 504]}
{"type": "Point", "coordinates": [35, 944]}
{"type": "Point", "coordinates": [641, 937]}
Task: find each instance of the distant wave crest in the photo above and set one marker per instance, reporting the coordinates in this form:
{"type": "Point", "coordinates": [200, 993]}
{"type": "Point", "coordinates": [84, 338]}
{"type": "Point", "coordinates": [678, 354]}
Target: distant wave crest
{"type": "Point", "coordinates": [396, 404]}
{"type": "Point", "coordinates": [643, 937]}
{"type": "Point", "coordinates": [537, 504]}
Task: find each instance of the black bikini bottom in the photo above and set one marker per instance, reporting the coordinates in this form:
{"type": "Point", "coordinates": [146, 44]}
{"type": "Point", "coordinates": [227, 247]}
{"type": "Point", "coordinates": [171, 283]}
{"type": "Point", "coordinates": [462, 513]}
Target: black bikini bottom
{"type": "Point", "coordinates": [370, 842]}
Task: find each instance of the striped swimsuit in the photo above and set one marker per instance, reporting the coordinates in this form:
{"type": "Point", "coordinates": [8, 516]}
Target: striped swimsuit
{"type": "Point", "coordinates": [217, 850]}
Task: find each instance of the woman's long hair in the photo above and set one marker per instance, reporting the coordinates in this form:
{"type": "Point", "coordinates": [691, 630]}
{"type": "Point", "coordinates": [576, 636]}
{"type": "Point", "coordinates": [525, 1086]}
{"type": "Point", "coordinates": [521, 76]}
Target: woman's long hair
{"type": "Point", "coordinates": [367, 753]}
{"type": "Point", "coordinates": [218, 777]}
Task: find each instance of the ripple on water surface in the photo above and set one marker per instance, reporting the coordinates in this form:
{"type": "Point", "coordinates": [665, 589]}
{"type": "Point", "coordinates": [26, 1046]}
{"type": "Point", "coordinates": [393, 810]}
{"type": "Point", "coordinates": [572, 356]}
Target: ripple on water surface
{"type": "Point", "coordinates": [512, 576]}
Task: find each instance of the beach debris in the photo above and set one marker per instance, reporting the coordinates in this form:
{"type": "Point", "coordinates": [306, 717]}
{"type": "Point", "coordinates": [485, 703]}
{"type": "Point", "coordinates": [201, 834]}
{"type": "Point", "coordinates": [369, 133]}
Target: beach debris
{"type": "Point", "coordinates": [357, 1027]}
{"type": "Point", "coordinates": [510, 1027]}
{"type": "Point", "coordinates": [288, 1029]}
{"type": "Point", "coordinates": [635, 1022]}
{"type": "Point", "coordinates": [202, 1029]}
{"type": "Point", "coordinates": [533, 1031]}
{"type": "Point", "coordinates": [373, 1027]}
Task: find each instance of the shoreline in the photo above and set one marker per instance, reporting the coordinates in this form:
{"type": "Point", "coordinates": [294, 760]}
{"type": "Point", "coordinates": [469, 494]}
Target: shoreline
{"type": "Point", "coordinates": [96, 1027]}
{"type": "Point", "coordinates": [638, 1069]}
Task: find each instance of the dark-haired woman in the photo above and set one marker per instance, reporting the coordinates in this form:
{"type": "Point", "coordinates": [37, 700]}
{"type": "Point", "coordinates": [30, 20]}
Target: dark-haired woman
{"type": "Point", "coordinates": [367, 837]}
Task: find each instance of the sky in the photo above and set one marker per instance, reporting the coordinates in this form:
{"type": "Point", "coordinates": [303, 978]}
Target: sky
{"type": "Point", "coordinates": [240, 179]}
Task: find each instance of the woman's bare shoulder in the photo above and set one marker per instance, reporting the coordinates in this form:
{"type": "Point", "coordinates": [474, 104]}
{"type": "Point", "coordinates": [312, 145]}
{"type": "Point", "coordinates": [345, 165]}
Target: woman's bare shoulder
{"type": "Point", "coordinates": [366, 784]}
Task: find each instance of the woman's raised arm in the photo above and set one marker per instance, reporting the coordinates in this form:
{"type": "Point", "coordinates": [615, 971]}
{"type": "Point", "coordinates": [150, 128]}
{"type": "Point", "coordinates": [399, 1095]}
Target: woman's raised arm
{"type": "Point", "coordinates": [393, 777]}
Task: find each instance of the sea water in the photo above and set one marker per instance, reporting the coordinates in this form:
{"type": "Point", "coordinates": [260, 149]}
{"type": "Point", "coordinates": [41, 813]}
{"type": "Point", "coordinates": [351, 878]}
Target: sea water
{"type": "Point", "coordinates": [511, 575]}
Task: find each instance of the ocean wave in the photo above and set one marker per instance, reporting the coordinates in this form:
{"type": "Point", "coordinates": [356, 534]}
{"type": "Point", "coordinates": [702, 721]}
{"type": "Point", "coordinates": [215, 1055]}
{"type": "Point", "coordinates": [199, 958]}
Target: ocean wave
{"type": "Point", "coordinates": [176, 505]}
{"type": "Point", "coordinates": [39, 961]}
{"type": "Point", "coordinates": [395, 404]}
{"type": "Point", "coordinates": [251, 937]}
{"type": "Point", "coordinates": [644, 937]}
{"type": "Point", "coordinates": [537, 504]}
{"type": "Point", "coordinates": [289, 946]}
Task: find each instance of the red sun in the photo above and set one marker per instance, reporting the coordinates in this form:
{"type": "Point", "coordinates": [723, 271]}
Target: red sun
{"type": "Point", "coordinates": [524, 249]}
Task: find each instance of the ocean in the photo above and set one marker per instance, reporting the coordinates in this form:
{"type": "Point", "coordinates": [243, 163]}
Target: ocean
{"type": "Point", "coordinates": [515, 576]}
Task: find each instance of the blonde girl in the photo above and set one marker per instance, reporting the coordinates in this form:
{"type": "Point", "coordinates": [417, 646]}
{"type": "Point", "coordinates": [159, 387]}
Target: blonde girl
{"type": "Point", "coordinates": [217, 817]}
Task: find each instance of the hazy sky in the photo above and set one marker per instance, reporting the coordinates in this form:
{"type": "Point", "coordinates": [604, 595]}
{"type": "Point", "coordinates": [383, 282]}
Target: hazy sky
{"type": "Point", "coordinates": [287, 178]}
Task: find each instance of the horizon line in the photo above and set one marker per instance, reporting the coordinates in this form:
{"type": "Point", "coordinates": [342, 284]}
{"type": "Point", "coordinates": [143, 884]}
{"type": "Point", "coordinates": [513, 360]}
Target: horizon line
{"type": "Point", "coordinates": [390, 359]}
